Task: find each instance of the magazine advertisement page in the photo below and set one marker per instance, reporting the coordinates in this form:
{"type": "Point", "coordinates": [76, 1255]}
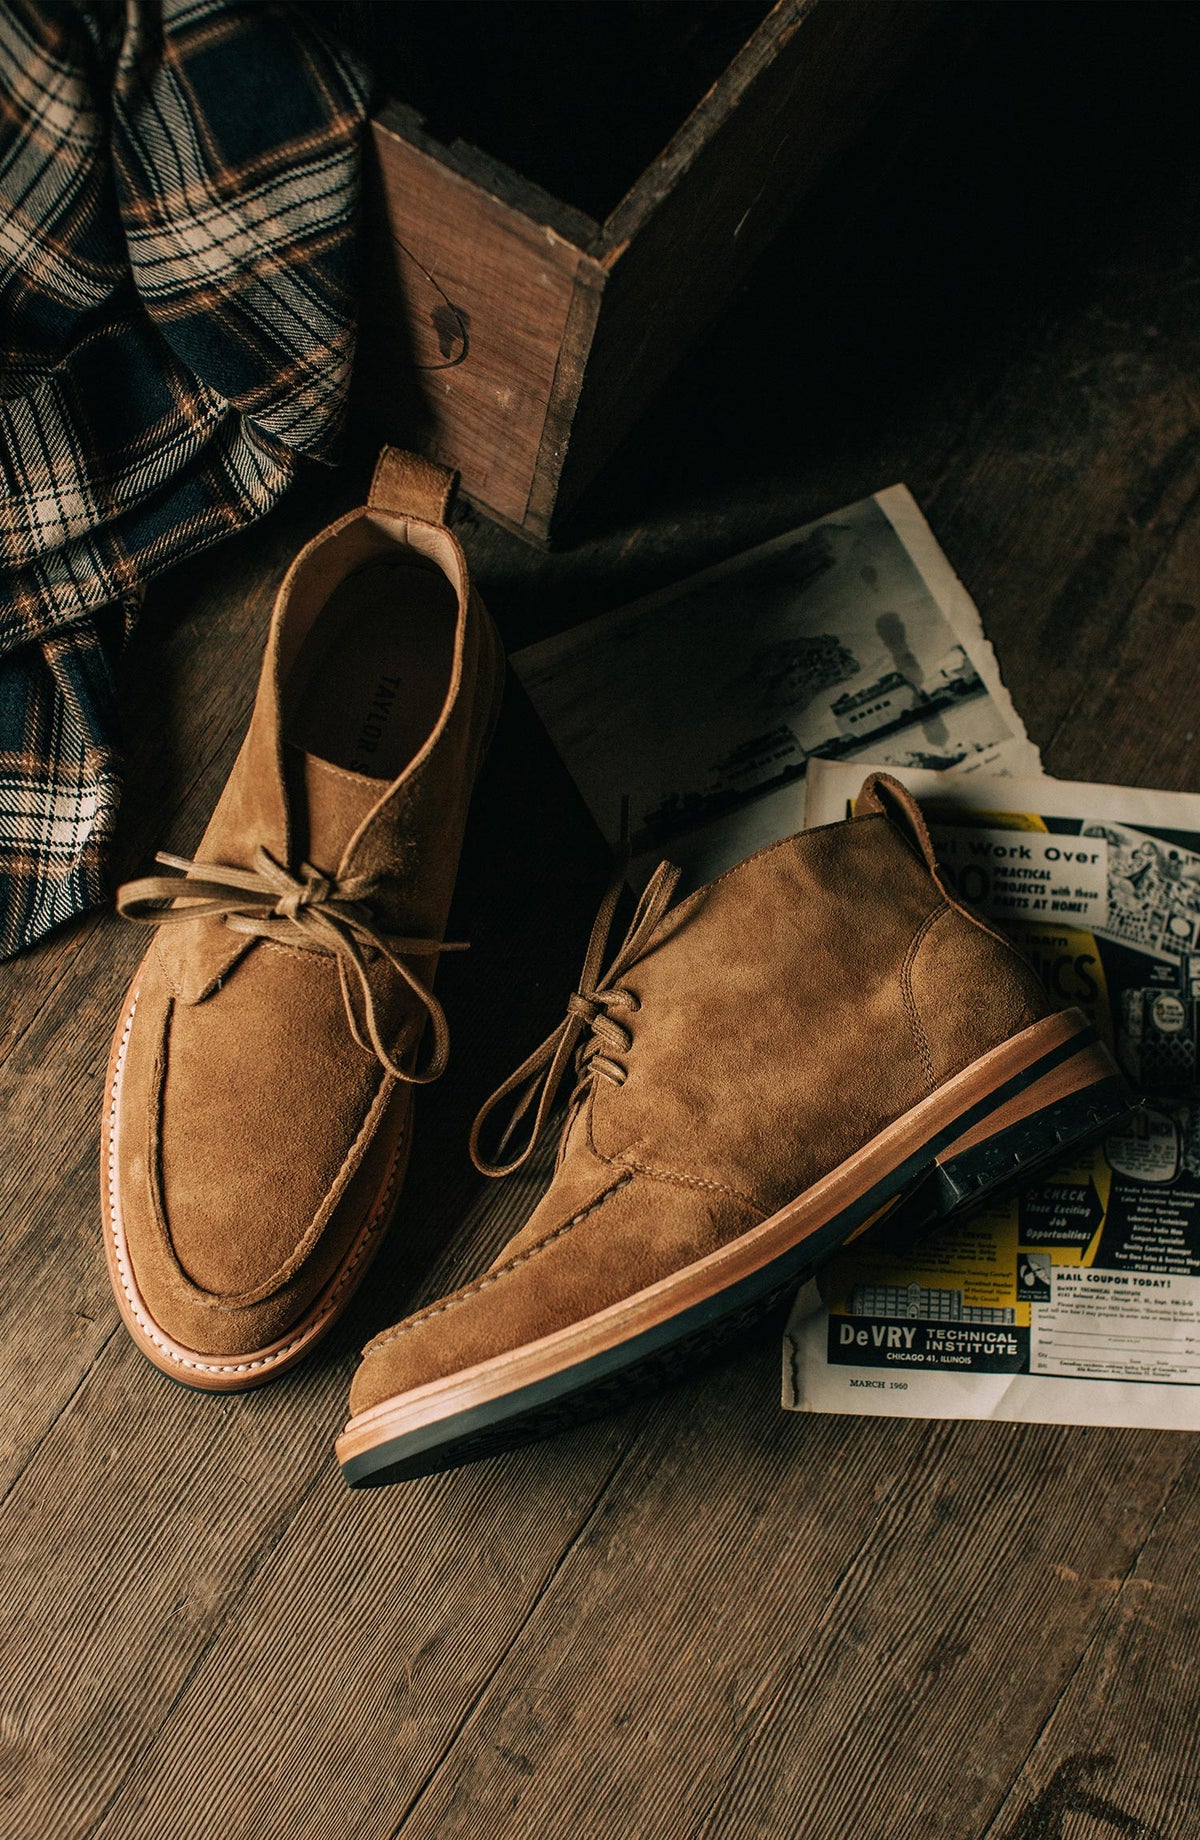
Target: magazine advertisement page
{"type": "Point", "coordinates": [1078, 1301]}
{"type": "Point", "coordinates": [700, 707]}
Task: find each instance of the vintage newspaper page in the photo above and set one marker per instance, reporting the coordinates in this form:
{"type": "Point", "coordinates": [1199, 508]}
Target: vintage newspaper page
{"type": "Point", "coordinates": [1079, 1301]}
{"type": "Point", "coordinates": [703, 705]}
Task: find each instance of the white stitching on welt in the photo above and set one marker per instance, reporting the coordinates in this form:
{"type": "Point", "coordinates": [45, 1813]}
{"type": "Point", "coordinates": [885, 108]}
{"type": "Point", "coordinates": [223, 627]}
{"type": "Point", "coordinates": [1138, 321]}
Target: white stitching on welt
{"type": "Point", "coordinates": [150, 1328]}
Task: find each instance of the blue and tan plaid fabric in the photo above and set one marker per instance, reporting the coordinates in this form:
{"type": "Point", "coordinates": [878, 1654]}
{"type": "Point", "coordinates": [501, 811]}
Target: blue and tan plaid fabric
{"type": "Point", "coordinates": [178, 197]}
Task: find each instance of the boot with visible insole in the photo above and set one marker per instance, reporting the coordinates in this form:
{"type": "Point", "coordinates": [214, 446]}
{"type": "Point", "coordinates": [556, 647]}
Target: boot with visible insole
{"type": "Point", "coordinates": [820, 1040]}
{"type": "Point", "coordinates": [259, 1102]}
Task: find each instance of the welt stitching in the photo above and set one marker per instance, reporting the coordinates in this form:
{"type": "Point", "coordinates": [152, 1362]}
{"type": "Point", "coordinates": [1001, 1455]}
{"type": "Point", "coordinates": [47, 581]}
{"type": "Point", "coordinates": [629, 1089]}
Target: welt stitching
{"type": "Point", "coordinates": [499, 1271]}
{"type": "Point", "coordinates": [910, 1003]}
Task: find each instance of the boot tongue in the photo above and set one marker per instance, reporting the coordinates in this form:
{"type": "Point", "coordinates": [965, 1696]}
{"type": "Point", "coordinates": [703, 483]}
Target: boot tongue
{"type": "Point", "coordinates": [327, 806]}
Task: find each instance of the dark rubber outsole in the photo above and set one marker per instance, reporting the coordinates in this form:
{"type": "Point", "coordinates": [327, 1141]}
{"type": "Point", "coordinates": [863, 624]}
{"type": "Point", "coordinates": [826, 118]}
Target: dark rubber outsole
{"type": "Point", "coordinates": [916, 1196]}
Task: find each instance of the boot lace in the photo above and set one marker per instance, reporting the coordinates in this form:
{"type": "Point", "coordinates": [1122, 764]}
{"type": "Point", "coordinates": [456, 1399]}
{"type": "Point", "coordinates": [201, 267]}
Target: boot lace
{"type": "Point", "coordinates": [590, 1032]}
{"type": "Point", "coordinates": [311, 911]}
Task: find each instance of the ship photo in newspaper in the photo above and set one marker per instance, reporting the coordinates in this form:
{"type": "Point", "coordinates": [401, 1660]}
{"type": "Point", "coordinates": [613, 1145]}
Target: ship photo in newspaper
{"type": "Point", "coordinates": [1079, 1300]}
{"type": "Point", "coordinates": [840, 728]}
{"type": "Point", "coordinates": [700, 707]}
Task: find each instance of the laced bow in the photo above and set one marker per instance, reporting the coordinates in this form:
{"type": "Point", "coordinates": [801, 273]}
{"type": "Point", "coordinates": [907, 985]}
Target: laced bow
{"type": "Point", "coordinates": [311, 911]}
{"type": "Point", "coordinates": [589, 1012]}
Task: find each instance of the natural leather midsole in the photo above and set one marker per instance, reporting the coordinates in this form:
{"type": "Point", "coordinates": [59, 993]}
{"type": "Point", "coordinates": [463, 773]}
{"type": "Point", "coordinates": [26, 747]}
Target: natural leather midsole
{"type": "Point", "coordinates": [1062, 1054]}
{"type": "Point", "coordinates": [1091, 1064]}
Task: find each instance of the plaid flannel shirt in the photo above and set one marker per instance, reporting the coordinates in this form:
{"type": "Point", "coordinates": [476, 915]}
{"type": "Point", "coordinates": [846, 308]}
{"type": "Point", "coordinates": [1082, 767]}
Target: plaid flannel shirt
{"type": "Point", "coordinates": [178, 197]}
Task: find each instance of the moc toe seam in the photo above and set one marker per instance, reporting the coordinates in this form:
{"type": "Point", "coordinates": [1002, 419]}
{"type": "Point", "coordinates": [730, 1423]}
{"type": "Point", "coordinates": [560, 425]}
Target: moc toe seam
{"type": "Point", "coordinates": [216, 1369]}
{"type": "Point", "coordinates": [467, 1293]}
{"type": "Point", "coordinates": [178, 1279]}
{"type": "Point", "coordinates": [497, 1272]}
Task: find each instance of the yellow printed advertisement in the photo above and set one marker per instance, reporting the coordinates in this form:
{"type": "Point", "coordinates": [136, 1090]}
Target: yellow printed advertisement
{"type": "Point", "coordinates": [1077, 1298]}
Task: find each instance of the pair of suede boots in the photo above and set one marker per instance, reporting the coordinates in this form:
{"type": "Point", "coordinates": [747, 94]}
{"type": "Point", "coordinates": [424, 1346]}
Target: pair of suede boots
{"type": "Point", "coordinates": [822, 1039]}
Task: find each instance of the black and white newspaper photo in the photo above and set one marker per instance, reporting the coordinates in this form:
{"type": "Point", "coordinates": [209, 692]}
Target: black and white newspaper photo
{"type": "Point", "coordinates": [850, 638]}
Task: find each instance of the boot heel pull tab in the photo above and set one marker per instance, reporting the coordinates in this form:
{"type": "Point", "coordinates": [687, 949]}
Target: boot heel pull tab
{"type": "Point", "coordinates": [407, 485]}
{"type": "Point", "coordinates": [881, 795]}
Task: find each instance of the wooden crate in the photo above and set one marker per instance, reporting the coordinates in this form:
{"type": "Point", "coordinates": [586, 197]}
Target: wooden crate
{"type": "Point", "coordinates": [510, 334]}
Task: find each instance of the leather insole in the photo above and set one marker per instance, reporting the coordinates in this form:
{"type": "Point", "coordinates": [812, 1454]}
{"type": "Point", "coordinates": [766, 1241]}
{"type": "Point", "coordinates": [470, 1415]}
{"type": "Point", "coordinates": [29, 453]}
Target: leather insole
{"type": "Point", "coordinates": [373, 672]}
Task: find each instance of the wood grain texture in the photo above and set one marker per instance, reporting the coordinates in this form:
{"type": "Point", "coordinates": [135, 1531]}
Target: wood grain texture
{"type": "Point", "coordinates": [700, 1618]}
{"type": "Point", "coordinates": [537, 335]}
{"type": "Point", "coordinates": [853, 1713]}
{"type": "Point", "coordinates": [478, 295]}
{"type": "Point", "coordinates": [1121, 1753]}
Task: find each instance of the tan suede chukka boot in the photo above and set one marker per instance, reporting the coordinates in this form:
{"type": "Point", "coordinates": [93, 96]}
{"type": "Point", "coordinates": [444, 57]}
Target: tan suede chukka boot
{"type": "Point", "coordinates": [259, 1098]}
{"type": "Point", "coordinates": [820, 1039]}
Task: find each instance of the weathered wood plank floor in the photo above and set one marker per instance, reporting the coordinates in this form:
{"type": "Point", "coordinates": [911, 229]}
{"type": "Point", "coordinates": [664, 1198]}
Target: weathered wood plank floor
{"type": "Point", "coordinates": [700, 1618]}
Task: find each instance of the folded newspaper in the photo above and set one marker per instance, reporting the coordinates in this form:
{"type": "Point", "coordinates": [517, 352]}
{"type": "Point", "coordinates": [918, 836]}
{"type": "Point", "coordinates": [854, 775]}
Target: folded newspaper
{"type": "Point", "coordinates": [1078, 1302]}
{"type": "Point", "coordinates": [703, 704]}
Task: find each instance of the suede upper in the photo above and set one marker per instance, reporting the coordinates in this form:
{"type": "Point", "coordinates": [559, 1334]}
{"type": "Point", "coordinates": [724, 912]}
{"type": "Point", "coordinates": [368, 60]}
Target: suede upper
{"type": "Point", "coordinates": [780, 1018]}
{"type": "Point", "coordinates": [255, 1133]}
